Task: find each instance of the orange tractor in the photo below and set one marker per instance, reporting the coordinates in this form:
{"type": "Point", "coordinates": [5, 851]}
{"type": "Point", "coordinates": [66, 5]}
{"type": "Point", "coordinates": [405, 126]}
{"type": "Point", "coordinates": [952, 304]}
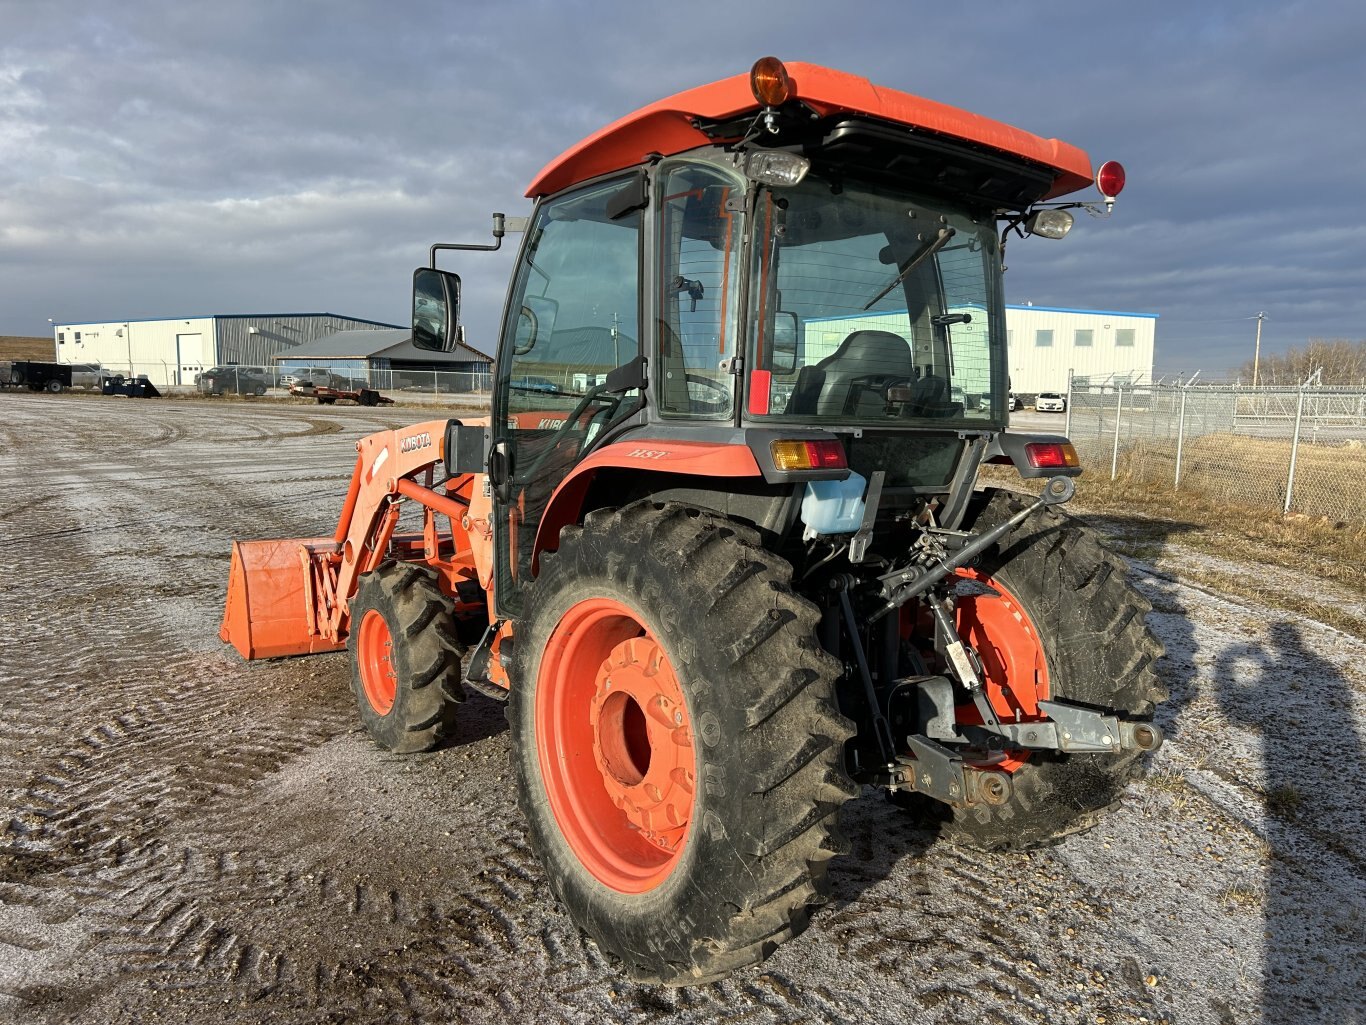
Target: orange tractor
{"type": "Point", "coordinates": [720, 545]}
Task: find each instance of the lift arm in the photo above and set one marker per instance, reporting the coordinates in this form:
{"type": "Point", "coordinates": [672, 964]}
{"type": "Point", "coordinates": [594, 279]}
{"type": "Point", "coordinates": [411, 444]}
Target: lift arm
{"type": "Point", "coordinates": [292, 597]}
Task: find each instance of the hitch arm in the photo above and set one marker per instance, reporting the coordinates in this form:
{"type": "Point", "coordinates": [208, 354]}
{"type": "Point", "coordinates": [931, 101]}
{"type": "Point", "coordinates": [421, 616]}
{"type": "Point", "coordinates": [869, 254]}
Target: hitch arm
{"type": "Point", "coordinates": [902, 585]}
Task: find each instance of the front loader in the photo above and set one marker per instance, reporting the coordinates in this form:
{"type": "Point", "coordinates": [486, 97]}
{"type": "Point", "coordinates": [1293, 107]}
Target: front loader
{"type": "Point", "coordinates": [721, 545]}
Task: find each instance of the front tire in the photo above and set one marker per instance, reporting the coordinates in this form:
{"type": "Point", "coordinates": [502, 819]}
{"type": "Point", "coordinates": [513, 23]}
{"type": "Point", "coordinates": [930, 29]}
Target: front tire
{"type": "Point", "coordinates": [405, 658]}
{"type": "Point", "coordinates": [676, 742]}
{"type": "Point", "coordinates": [1067, 625]}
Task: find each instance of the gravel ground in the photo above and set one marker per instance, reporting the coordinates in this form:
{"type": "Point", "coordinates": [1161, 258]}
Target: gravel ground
{"type": "Point", "coordinates": [188, 837]}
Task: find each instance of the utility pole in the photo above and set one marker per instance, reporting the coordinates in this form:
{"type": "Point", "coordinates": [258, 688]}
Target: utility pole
{"type": "Point", "coordinates": [1257, 352]}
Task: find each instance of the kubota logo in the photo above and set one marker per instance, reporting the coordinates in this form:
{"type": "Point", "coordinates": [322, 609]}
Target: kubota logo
{"type": "Point", "coordinates": [414, 442]}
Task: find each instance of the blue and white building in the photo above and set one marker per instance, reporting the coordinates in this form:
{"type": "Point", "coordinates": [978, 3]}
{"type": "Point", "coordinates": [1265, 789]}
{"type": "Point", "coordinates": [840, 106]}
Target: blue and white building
{"type": "Point", "coordinates": [1100, 347]}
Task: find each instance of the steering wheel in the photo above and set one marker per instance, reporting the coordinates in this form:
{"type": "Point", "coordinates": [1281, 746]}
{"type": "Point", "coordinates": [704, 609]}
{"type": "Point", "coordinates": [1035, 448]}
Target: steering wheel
{"type": "Point", "coordinates": [571, 421]}
{"type": "Point", "coordinates": [720, 403]}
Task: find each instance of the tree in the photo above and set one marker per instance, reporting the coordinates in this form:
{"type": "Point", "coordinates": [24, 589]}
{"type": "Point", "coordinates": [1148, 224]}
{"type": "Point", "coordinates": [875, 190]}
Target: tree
{"type": "Point", "coordinates": [1343, 363]}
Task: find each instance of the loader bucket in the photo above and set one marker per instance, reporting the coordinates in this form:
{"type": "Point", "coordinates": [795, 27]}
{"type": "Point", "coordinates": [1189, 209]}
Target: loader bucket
{"type": "Point", "coordinates": [267, 614]}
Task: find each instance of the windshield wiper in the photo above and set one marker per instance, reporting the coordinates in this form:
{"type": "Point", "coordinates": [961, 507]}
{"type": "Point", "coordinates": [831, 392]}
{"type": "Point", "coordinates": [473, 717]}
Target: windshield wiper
{"type": "Point", "coordinates": [926, 251]}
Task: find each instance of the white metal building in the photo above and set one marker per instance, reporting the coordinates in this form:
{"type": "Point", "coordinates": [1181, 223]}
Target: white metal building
{"type": "Point", "coordinates": [171, 351]}
{"type": "Point", "coordinates": [1099, 346]}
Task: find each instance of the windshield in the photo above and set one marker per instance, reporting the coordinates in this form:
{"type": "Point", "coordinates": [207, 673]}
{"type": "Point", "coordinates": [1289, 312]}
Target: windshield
{"type": "Point", "coordinates": [874, 306]}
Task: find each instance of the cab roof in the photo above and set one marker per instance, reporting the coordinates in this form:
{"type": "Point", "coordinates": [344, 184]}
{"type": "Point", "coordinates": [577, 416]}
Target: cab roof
{"type": "Point", "coordinates": [668, 127]}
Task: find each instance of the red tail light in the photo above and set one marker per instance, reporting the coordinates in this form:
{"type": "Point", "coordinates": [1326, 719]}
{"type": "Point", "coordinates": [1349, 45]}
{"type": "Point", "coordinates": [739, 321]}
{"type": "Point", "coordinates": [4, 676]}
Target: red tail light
{"type": "Point", "coordinates": [1051, 455]}
{"type": "Point", "coordinates": [808, 455]}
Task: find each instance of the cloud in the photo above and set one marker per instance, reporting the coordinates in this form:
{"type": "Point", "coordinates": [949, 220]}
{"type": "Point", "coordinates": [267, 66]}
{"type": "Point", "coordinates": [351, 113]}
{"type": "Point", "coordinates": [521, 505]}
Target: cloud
{"type": "Point", "coordinates": [163, 158]}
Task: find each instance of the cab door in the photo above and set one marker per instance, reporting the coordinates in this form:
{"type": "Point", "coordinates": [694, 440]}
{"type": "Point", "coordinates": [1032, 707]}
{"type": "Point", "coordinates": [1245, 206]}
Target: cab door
{"type": "Point", "coordinates": [573, 316]}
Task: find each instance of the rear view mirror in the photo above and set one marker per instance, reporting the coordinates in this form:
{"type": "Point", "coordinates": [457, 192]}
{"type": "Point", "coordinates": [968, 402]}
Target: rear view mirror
{"type": "Point", "coordinates": [436, 309]}
{"type": "Point", "coordinates": [786, 343]}
{"type": "Point", "coordinates": [535, 320]}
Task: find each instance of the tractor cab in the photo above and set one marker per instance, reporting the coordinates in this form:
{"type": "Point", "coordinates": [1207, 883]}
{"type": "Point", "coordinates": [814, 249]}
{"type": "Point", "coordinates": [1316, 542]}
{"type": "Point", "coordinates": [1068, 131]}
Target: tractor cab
{"type": "Point", "coordinates": [798, 260]}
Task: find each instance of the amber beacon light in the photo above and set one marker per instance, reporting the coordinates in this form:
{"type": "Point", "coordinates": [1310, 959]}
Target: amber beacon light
{"type": "Point", "coordinates": [770, 82]}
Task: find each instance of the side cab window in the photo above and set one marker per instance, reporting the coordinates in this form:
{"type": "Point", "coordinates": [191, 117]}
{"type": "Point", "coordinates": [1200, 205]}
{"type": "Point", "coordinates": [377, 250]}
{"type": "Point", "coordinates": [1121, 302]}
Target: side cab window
{"type": "Point", "coordinates": [701, 227]}
{"type": "Point", "coordinates": [574, 317]}
{"type": "Point", "coordinates": [574, 314]}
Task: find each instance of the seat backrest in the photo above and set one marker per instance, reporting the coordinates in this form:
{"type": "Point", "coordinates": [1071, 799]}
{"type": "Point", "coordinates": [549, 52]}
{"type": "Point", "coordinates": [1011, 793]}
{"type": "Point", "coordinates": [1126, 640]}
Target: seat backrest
{"type": "Point", "coordinates": [857, 373]}
{"type": "Point", "coordinates": [930, 391]}
{"type": "Point", "coordinates": [806, 392]}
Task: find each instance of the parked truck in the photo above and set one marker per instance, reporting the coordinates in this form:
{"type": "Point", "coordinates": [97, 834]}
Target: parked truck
{"type": "Point", "coordinates": [39, 375]}
{"type": "Point", "coordinates": [726, 569]}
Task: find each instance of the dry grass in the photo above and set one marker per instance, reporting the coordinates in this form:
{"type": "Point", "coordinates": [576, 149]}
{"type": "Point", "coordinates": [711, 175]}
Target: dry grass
{"type": "Point", "coordinates": [1284, 801]}
{"type": "Point", "coordinates": [1167, 780]}
{"type": "Point", "coordinates": [1334, 550]}
{"type": "Point", "coordinates": [25, 347]}
{"type": "Point", "coordinates": [1173, 783]}
{"type": "Point", "coordinates": [1156, 518]}
{"type": "Point", "coordinates": [1243, 896]}
{"type": "Point", "coordinates": [1273, 596]}
{"type": "Point", "coordinates": [1250, 472]}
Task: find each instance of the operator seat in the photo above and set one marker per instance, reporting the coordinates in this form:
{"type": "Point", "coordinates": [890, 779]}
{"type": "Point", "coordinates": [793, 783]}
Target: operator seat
{"type": "Point", "coordinates": [852, 380]}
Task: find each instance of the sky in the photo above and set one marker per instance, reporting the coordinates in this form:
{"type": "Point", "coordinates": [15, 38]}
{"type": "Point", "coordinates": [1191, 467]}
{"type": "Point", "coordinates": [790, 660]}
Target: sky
{"type": "Point", "coordinates": [175, 159]}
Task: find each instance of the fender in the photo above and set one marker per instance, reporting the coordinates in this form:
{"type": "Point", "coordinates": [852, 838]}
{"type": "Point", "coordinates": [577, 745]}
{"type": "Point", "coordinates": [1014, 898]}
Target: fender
{"type": "Point", "coordinates": [642, 454]}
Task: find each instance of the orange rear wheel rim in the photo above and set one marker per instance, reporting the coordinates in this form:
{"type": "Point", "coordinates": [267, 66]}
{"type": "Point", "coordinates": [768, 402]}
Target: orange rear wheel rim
{"type": "Point", "coordinates": [375, 656]}
{"type": "Point", "coordinates": [615, 746]}
{"type": "Point", "coordinates": [1014, 664]}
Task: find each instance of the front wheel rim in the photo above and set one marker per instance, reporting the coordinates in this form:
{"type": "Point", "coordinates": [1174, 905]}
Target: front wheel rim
{"type": "Point", "coordinates": [375, 657]}
{"type": "Point", "coordinates": [615, 746]}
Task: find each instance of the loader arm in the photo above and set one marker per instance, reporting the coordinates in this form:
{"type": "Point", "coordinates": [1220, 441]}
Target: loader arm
{"type": "Point", "coordinates": [291, 597]}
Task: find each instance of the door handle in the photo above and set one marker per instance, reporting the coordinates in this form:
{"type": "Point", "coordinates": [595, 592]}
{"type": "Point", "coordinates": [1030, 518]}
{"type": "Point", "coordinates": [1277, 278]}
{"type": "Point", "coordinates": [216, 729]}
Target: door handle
{"type": "Point", "coordinates": [500, 470]}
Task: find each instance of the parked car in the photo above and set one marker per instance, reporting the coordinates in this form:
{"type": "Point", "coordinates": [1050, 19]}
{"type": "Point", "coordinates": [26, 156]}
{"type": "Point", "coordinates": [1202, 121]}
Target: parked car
{"type": "Point", "coordinates": [232, 381]}
{"type": "Point", "coordinates": [303, 380]}
{"type": "Point", "coordinates": [1050, 402]}
{"type": "Point", "coordinates": [529, 383]}
{"type": "Point", "coordinates": [1012, 403]}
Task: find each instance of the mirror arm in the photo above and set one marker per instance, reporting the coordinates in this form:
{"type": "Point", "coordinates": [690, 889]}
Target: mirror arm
{"type": "Point", "coordinates": [499, 230]}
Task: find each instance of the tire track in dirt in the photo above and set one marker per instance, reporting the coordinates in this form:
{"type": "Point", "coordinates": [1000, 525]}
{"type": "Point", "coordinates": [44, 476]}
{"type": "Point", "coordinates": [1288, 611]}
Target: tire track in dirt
{"type": "Point", "coordinates": [185, 914]}
{"type": "Point", "coordinates": [99, 797]}
{"type": "Point", "coordinates": [197, 839]}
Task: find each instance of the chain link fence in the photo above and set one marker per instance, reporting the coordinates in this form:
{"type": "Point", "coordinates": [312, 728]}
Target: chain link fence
{"type": "Point", "coordinates": [400, 384]}
{"type": "Point", "coordinates": [1294, 450]}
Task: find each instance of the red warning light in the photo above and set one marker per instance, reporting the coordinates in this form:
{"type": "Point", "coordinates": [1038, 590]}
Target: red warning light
{"type": "Point", "coordinates": [1110, 179]}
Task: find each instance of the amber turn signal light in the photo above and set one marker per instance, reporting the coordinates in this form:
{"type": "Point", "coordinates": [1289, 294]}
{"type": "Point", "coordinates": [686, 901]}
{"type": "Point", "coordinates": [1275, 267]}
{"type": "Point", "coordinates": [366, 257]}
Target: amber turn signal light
{"type": "Point", "coordinates": [808, 455]}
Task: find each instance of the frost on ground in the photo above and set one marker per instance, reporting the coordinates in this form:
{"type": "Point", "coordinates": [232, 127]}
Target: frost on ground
{"type": "Point", "coordinates": [187, 837]}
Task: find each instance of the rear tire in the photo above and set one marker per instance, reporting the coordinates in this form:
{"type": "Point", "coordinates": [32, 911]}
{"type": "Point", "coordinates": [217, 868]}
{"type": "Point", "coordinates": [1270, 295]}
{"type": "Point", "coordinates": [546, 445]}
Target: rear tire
{"type": "Point", "coordinates": [54, 387]}
{"type": "Point", "coordinates": [737, 863]}
{"type": "Point", "coordinates": [405, 658]}
{"type": "Point", "coordinates": [1089, 621]}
